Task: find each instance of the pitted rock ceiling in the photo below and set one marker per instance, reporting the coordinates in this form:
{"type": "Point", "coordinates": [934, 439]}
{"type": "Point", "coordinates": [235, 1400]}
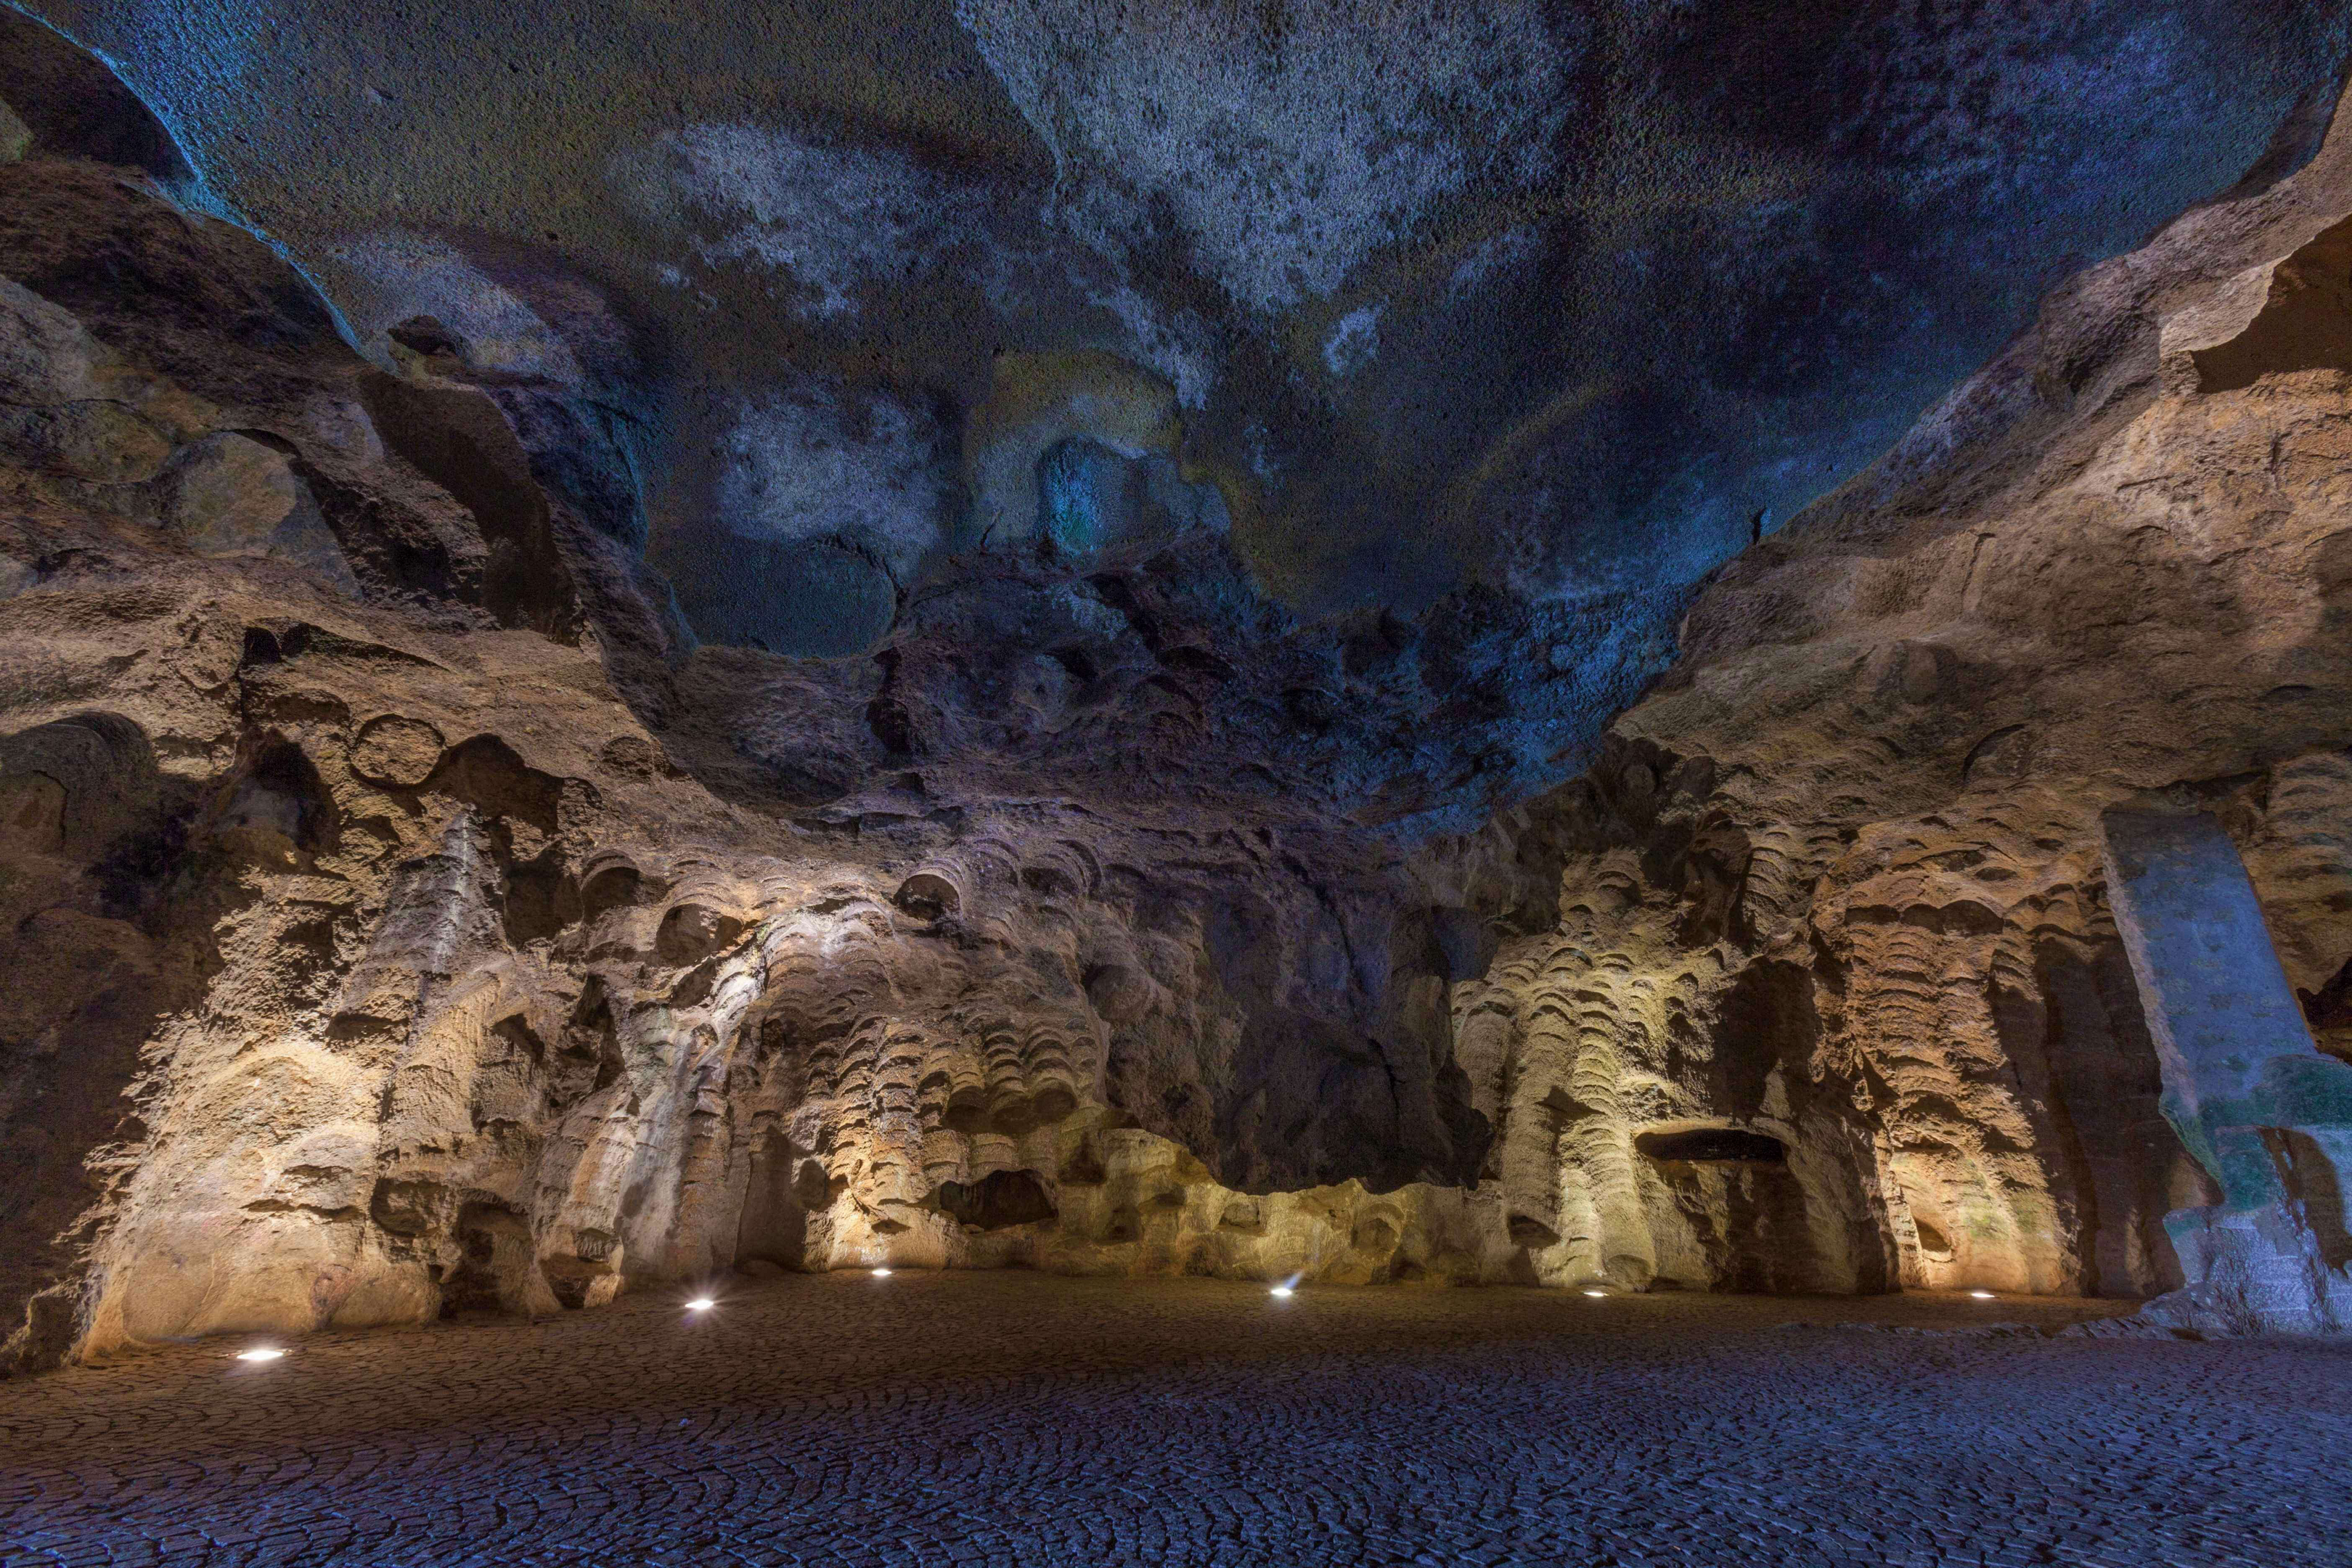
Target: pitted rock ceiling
{"type": "Point", "coordinates": [1555, 300]}
{"type": "Point", "coordinates": [648, 639]}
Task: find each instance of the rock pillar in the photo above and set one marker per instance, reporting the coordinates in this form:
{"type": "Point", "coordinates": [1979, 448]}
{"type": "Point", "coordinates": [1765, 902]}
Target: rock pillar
{"type": "Point", "coordinates": [2267, 1116]}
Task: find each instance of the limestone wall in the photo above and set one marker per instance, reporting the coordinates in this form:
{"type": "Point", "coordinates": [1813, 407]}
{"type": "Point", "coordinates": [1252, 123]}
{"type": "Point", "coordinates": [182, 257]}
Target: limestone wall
{"type": "Point", "coordinates": [407, 914]}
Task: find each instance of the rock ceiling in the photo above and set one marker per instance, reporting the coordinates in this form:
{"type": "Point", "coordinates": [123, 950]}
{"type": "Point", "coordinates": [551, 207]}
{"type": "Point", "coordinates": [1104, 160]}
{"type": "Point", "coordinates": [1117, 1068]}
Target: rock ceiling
{"type": "Point", "coordinates": [1552, 300]}
{"type": "Point", "coordinates": [661, 638]}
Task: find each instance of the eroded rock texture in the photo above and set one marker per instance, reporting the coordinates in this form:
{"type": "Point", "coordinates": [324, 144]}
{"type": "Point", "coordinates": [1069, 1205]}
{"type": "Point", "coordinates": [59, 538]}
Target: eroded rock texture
{"type": "Point", "coordinates": [1555, 303]}
{"type": "Point", "coordinates": [341, 845]}
{"type": "Point", "coordinates": [436, 877]}
{"type": "Point", "coordinates": [1861, 819]}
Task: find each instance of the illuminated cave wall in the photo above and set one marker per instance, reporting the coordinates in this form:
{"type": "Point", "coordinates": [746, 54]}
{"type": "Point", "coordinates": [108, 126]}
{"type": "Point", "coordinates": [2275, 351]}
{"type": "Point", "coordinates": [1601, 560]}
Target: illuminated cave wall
{"type": "Point", "coordinates": [501, 804]}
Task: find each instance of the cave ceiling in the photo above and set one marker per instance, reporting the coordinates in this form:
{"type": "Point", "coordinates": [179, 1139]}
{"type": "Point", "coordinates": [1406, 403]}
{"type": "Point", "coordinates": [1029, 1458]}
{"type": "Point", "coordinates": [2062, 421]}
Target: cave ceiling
{"type": "Point", "coordinates": [1512, 322]}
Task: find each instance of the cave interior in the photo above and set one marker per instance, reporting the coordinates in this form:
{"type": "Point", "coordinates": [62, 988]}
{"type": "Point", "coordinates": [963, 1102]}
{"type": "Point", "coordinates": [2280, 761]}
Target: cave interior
{"type": "Point", "coordinates": [1618, 648]}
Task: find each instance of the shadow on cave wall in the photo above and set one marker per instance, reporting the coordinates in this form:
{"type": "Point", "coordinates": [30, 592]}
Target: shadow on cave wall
{"type": "Point", "coordinates": [112, 878]}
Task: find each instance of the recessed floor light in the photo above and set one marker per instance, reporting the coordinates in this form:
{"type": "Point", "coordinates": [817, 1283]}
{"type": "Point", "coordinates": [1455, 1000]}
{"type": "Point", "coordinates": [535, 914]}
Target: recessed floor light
{"type": "Point", "coordinates": [700, 1304]}
{"type": "Point", "coordinates": [260, 1352]}
{"type": "Point", "coordinates": [1981, 1295]}
{"type": "Point", "coordinates": [1279, 1291]}
{"type": "Point", "coordinates": [1599, 1294]}
{"type": "Point", "coordinates": [881, 1274]}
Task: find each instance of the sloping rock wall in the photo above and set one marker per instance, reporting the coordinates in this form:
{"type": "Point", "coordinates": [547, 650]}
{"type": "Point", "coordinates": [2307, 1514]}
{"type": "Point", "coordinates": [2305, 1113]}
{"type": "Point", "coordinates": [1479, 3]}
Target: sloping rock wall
{"type": "Point", "coordinates": [1860, 817]}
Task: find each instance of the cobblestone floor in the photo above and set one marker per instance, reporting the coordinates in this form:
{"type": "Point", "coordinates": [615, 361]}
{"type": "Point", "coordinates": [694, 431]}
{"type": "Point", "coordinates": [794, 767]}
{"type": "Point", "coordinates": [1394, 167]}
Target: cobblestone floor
{"type": "Point", "coordinates": [1013, 1419]}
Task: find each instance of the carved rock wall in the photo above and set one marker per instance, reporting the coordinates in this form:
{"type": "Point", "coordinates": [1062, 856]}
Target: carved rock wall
{"type": "Point", "coordinates": [1860, 820]}
{"type": "Point", "coordinates": [411, 916]}
{"type": "Point", "coordinates": [381, 959]}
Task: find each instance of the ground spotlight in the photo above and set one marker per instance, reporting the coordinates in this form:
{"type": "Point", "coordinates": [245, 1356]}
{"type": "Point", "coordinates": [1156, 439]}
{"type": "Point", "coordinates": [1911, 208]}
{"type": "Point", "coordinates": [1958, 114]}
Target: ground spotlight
{"type": "Point", "coordinates": [1598, 1295]}
{"type": "Point", "coordinates": [260, 1352]}
{"type": "Point", "coordinates": [881, 1274]}
{"type": "Point", "coordinates": [700, 1304]}
{"type": "Point", "coordinates": [1981, 1295]}
{"type": "Point", "coordinates": [1280, 1291]}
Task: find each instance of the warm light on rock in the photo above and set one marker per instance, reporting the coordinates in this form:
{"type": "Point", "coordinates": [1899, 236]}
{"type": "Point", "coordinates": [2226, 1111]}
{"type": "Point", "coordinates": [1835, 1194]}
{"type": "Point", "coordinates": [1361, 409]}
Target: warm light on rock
{"type": "Point", "coordinates": [1152, 651]}
{"type": "Point", "coordinates": [1458, 654]}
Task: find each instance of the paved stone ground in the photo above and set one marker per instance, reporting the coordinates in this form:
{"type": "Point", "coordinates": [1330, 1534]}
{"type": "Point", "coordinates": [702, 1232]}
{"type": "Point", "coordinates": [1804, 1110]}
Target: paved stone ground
{"type": "Point", "coordinates": [1013, 1419]}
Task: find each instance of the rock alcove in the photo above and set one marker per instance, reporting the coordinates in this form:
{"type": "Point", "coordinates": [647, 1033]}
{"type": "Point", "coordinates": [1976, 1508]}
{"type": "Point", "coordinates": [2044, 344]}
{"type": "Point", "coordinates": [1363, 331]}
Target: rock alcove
{"type": "Point", "coordinates": [1608, 655]}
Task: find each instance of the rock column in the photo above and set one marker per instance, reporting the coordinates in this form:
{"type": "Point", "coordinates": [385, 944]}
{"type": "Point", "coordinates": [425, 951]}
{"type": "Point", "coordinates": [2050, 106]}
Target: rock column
{"type": "Point", "coordinates": [2264, 1113]}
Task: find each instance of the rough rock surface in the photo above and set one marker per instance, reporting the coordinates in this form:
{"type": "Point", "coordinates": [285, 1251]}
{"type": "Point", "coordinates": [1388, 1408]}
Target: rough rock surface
{"type": "Point", "coordinates": [1863, 815]}
{"type": "Point", "coordinates": [411, 912]}
{"type": "Point", "coordinates": [1551, 303]}
{"type": "Point", "coordinates": [435, 978]}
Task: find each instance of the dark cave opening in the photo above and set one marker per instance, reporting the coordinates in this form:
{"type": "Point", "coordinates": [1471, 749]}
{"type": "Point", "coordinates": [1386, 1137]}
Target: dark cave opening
{"type": "Point", "coordinates": [1714, 1146]}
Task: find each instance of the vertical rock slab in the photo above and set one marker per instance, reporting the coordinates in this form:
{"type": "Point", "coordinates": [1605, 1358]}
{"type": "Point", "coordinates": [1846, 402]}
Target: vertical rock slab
{"type": "Point", "coordinates": [2267, 1116]}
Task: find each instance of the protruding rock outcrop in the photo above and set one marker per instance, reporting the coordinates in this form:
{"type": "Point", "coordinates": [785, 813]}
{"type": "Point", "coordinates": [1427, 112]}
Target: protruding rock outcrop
{"type": "Point", "coordinates": [1849, 852]}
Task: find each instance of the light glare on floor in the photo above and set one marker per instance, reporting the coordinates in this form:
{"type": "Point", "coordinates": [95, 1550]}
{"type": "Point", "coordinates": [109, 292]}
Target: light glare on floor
{"type": "Point", "coordinates": [700, 1304]}
{"type": "Point", "coordinates": [1981, 1295]}
{"type": "Point", "coordinates": [1279, 1291]}
{"type": "Point", "coordinates": [1598, 1294]}
{"type": "Point", "coordinates": [260, 1352]}
{"type": "Point", "coordinates": [881, 1274]}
